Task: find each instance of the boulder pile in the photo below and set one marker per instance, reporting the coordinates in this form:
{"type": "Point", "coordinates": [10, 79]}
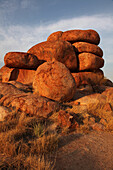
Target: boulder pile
{"type": "Point", "coordinates": [57, 66]}
{"type": "Point", "coordinates": [89, 54]}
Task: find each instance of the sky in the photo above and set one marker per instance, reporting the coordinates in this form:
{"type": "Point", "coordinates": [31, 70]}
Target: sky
{"type": "Point", "coordinates": [24, 23]}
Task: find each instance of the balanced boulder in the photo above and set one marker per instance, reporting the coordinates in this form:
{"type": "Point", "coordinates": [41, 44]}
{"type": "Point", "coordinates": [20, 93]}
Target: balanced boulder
{"type": "Point", "coordinates": [21, 60]}
{"type": "Point", "coordinates": [54, 81]}
{"type": "Point", "coordinates": [61, 51]}
{"type": "Point", "coordinates": [88, 61]}
{"type": "Point", "coordinates": [88, 47]}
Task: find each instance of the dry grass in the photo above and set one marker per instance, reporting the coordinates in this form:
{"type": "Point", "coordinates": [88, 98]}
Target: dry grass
{"type": "Point", "coordinates": [25, 143]}
{"type": "Point", "coordinates": [92, 115]}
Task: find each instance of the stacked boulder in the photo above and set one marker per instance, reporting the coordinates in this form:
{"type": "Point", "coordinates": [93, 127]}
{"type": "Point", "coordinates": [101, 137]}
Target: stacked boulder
{"type": "Point", "coordinates": [56, 66]}
{"type": "Point", "coordinates": [89, 54]}
{"type": "Point", "coordinates": [19, 66]}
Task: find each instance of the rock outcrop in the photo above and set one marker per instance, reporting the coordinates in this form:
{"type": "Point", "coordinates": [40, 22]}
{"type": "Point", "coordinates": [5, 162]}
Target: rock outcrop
{"type": "Point", "coordinates": [56, 67]}
{"type": "Point", "coordinates": [78, 50]}
{"type": "Point", "coordinates": [65, 68]}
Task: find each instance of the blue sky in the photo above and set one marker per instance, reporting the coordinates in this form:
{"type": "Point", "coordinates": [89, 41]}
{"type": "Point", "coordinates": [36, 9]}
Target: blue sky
{"type": "Point", "coordinates": [24, 23]}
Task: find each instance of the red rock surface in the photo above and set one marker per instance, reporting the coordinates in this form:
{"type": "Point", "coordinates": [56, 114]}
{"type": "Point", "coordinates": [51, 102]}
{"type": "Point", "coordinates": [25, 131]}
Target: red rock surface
{"type": "Point", "coordinates": [3, 113]}
{"type": "Point", "coordinates": [21, 86]}
{"type": "Point", "coordinates": [88, 47]}
{"type": "Point", "coordinates": [53, 80]}
{"type": "Point", "coordinates": [21, 60]}
{"type": "Point", "coordinates": [8, 89]}
{"type": "Point", "coordinates": [30, 104]}
{"type": "Point", "coordinates": [88, 61]}
{"type": "Point", "coordinates": [25, 76]}
{"type": "Point", "coordinates": [8, 74]}
{"type": "Point", "coordinates": [92, 100]}
{"type": "Point", "coordinates": [61, 51]}
{"type": "Point", "coordinates": [55, 36]}
{"type": "Point", "coordinates": [90, 36]}
{"type": "Point", "coordinates": [109, 95]}
{"type": "Point", "coordinates": [66, 120]}
{"type": "Point", "coordinates": [92, 78]}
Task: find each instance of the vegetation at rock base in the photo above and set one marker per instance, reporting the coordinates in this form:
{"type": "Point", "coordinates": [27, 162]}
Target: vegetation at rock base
{"type": "Point", "coordinates": [25, 144]}
{"type": "Point", "coordinates": [31, 142]}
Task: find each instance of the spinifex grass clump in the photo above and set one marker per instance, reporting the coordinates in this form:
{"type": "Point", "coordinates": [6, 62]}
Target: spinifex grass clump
{"type": "Point", "coordinates": [24, 143]}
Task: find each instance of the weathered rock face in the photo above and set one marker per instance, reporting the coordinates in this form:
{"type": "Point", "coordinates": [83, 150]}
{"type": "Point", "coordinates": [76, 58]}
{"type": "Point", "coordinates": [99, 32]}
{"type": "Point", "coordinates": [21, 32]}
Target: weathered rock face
{"type": "Point", "coordinates": [25, 76]}
{"type": "Point", "coordinates": [55, 36]}
{"type": "Point", "coordinates": [30, 104]}
{"type": "Point", "coordinates": [88, 61]}
{"type": "Point", "coordinates": [53, 80]}
{"type": "Point", "coordinates": [24, 87]}
{"type": "Point", "coordinates": [88, 47]}
{"type": "Point", "coordinates": [109, 94]}
{"type": "Point", "coordinates": [83, 78]}
{"type": "Point", "coordinates": [21, 60]}
{"type": "Point", "coordinates": [61, 51]}
{"type": "Point", "coordinates": [92, 100]}
{"type": "Point", "coordinates": [72, 36]}
{"type": "Point", "coordinates": [8, 74]}
{"type": "Point", "coordinates": [8, 89]}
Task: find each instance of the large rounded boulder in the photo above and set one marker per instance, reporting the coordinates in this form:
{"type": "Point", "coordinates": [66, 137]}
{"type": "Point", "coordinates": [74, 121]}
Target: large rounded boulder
{"type": "Point", "coordinates": [54, 81]}
{"type": "Point", "coordinates": [61, 51]}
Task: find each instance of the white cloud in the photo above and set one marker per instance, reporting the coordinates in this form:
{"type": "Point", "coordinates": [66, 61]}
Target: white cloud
{"type": "Point", "coordinates": [21, 38]}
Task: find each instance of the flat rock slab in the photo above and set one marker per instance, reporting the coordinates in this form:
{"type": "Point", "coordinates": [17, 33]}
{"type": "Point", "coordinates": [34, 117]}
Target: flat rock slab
{"type": "Point", "coordinates": [85, 152]}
